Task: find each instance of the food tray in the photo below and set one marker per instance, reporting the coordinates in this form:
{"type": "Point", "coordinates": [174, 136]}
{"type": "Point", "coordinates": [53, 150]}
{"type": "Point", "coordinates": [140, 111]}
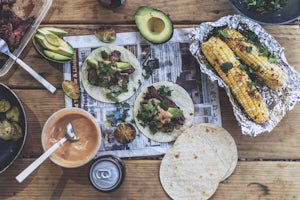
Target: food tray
{"type": "Point", "coordinates": [39, 11]}
{"type": "Point", "coordinates": [280, 101]}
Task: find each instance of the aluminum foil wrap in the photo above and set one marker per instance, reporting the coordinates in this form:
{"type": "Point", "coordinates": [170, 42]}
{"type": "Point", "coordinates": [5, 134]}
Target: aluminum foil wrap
{"type": "Point", "coordinates": [278, 102]}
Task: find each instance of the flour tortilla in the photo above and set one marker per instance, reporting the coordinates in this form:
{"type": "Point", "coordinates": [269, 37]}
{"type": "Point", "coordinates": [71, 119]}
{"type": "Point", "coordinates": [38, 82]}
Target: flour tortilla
{"type": "Point", "coordinates": [182, 99]}
{"type": "Point", "coordinates": [189, 173]}
{"type": "Point", "coordinates": [201, 157]}
{"type": "Point", "coordinates": [99, 93]}
{"type": "Point", "coordinates": [219, 140]}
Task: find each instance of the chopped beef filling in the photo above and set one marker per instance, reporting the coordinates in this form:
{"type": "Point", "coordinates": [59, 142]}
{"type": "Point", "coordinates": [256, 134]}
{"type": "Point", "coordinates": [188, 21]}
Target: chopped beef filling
{"type": "Point", "coordinates": [12, 27]}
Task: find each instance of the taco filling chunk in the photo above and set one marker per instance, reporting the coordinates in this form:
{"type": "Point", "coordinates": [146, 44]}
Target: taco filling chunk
{"type": "Point", "coordinates": [110, 73]}
{"type": "Point", "coordinates": [159, 112]}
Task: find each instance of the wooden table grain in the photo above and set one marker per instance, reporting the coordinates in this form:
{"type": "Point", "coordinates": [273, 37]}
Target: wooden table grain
{"type": "Point", "coordinates": [268, 166]}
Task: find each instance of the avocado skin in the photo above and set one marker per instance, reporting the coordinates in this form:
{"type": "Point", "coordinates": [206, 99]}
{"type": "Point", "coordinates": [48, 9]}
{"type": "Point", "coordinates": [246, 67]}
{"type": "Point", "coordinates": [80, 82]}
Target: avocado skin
{"type": "Point", "coordinates": [142, 16]}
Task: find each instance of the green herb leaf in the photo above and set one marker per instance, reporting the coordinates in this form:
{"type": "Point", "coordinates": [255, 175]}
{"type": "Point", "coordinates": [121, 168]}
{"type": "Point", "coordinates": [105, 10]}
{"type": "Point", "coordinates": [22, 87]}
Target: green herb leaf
{"type": "Point", "coordinates": [104, 55]}
{"type": "Point", "coordinates": [222, 34]}
{"type": "Point", "coordinates": [164, 104]}
{"type": "Point", "coordinates": [226, 66]}
{"type": "Point", "coordinates": [149, 71]}
{"type": "Point", "coordinates": [273, 58]}
{"type": "Point", "coordinates": [164, 91]}
{"type": "Point", "coordinates": [249, 49]}
{"type": "Point", "coordinates": [263, 6]}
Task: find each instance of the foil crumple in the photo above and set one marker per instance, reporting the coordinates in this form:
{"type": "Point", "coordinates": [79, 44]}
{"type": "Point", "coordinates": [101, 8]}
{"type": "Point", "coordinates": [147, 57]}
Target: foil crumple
{"type": "Point", "coordinates": [279, 102]}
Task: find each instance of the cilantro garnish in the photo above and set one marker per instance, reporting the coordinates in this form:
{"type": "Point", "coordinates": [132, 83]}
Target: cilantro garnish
{"type": "Point", "coordinates": [226, 66]}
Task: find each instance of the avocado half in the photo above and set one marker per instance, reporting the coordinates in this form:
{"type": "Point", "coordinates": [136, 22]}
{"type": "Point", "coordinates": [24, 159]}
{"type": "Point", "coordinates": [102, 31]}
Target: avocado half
{"type": "Point", "coordinates": [154, 25]}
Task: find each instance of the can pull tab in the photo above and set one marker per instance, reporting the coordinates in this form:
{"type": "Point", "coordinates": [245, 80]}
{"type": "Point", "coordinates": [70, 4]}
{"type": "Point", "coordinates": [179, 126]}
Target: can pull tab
{"type": "Point", "coordinates": [103, 173]}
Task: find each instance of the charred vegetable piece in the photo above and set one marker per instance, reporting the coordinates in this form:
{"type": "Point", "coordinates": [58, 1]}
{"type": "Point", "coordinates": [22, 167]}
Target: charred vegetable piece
{"type": "Point", "coordinates": [106, 35]}
{"type": "Point", "coordinates": [4, 105]}
{"type": "Point", "coordinates": [222, 58]}
{"type": "Point", "coordinates": [273, 76]}
{"type": "Point", "coordinates": [16, 131]}
{"type": "Point", "coordinates": [13, 114]}
{"type": "Point", "coordinates": [125, 133]}
{"type": "Point", "coordinates": [5, 130]}
{"type": "Point", "coordinates": [71, 89]}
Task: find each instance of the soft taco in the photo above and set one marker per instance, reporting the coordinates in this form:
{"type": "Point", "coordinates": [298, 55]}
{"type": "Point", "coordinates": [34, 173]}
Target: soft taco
{"type": "Point", "coordinates": [162, 111]}
{"type": "Point", "coordinates": [202, 156]}
{"type": "Point", "coordinates": [111, 74]}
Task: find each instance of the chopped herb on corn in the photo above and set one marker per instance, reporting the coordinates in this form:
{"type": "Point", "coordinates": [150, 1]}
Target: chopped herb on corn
{"type": "Point", "coordinates": [222, 58]}
{"type": "Point", "coordinates": [272, 75]}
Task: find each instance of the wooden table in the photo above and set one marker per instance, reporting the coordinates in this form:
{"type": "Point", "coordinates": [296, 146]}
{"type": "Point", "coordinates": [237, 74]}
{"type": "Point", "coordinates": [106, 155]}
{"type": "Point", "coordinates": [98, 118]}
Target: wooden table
{"type": "Point", "coordinates": [268, 166]}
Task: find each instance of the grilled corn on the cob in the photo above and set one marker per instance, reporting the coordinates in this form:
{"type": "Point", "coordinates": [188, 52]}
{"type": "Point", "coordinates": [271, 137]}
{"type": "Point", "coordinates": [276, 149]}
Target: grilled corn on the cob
{"type": "Point", "coordinates": [221, 57]}
{"type": "Point", "coordinates": [272, 75]}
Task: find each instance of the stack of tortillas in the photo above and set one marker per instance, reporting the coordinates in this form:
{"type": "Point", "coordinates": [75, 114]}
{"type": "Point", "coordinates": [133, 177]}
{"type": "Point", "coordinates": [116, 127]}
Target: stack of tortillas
{"type": "Point", "coordinates": [201, 157]}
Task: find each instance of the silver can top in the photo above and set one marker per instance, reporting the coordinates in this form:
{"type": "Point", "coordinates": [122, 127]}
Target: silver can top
{"type": "Point", "coordinates": [107, 173]}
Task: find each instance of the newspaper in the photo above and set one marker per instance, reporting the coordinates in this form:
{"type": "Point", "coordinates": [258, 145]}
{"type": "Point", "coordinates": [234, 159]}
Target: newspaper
{"type": "Point", "coordinates": [171, 61]}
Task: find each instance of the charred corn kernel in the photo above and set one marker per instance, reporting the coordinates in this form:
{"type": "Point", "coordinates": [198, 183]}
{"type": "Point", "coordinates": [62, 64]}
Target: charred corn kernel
{"type": "Point", "coordinates": [222, 58]}
{"type": "Point", "coordinates": [272, 75]}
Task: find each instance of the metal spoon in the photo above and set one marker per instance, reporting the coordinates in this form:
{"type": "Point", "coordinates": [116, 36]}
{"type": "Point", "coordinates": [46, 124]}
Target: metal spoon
{"type": "Point", "coordinates": [70, 135]}
{"type": "Point", "coordinates": [5, 50]}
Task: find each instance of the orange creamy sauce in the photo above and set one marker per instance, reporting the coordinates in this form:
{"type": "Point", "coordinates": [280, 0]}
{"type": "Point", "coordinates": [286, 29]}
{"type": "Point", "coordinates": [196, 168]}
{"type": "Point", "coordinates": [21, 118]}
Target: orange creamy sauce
{"type": "Point", "coordinates": [76, 152]}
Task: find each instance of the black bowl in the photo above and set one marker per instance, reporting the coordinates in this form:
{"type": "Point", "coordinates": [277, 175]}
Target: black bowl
{"type": "Point", "coordinates": [10, 150]}
{"type": "Point", "coordinates": [287, 14]}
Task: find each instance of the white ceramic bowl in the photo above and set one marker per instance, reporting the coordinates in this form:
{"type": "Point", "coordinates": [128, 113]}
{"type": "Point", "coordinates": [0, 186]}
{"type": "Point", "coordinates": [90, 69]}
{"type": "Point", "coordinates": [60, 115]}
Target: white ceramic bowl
{"type": "Point", "coordinates": [72, 154]}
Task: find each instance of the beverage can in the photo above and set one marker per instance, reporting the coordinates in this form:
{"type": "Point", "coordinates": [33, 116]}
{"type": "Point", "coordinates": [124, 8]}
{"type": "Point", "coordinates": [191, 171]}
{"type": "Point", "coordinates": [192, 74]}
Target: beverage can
{"type": "Point", "coordinates": [107, 173]}
{"type": "Point", "coordinates": [111, 3]}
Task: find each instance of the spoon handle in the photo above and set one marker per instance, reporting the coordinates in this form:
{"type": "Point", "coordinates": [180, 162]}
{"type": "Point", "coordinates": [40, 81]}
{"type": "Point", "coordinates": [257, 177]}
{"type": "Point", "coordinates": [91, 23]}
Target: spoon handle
{"type": "Point", "coordinates": [35, 75]}
{"type": "Point", "coordinates": [26, 172]}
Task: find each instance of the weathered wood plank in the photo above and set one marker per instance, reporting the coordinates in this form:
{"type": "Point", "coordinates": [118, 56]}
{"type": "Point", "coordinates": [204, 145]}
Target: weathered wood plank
{"type": "Point", "coordinates": [251, 180]}
{"type": "Point", "coordinates": [90, 11]}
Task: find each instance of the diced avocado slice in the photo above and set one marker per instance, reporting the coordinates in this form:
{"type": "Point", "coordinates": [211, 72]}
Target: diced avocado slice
{"type": "Point", "coordinates": [57, 31]}
{"type": "Point", "coordinates": [64, 48]}
{"type": "Point", "coordinates": [56, 56]}
{"type": "Point", "coordinates": [148, 106]}
{"type": "Point", "coordinates": [123, 65]}
{"type": "Point", "coordinates": [154, 25]}
{"type": "Point", "coordinates": [175, 112]}
{"type": "Point", "coordinates": [92, 63]}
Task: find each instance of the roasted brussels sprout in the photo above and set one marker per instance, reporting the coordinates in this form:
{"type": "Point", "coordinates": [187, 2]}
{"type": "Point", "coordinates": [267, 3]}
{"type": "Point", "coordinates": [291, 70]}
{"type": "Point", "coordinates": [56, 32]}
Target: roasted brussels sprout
{"type": "Point", "coordinates": [4, 105]}
{"type": "Point", "coordinates": [13, 114]}
{"type": "Point", "coordinates": [16, 131]}
{"type": "Point", "coordinates": [10, 130]}
{"type": "Point", "coordinates": [5, 130]}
